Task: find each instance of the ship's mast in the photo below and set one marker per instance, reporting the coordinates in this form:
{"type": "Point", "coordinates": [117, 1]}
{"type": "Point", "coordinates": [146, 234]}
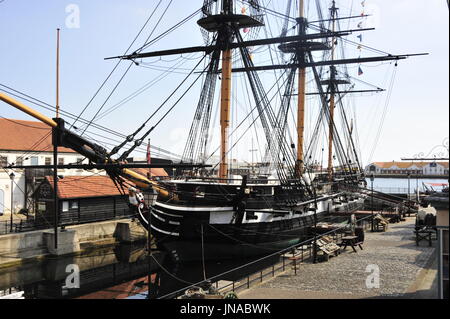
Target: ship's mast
{"type": "Point", "coordinates": [57, 72]}
{"type": "Point", "coordinates": [333, 10]}
{"type": "Point", "coordinates": [301, 96]}
{"type": "Point", "coordinates": [225, 100]}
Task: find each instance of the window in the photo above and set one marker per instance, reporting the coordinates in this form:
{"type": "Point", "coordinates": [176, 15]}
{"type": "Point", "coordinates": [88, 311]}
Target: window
{"type": "Point", "coordinates": [65, 206]}
{"type": "Point", "coordinates": [74, 204]}
{"type": "Point", "coordinates": [19, 161]}
{"type": "Point", "coordinates": [3, 161]}
{"type": "Point", "coordinates": [34, 160]}
{"type": "Point", "coordinates": [61, 161]}
{"type": "Point", "coordinates": [48, 161]}
{"type": "Point", "coordinates": [42, 207]}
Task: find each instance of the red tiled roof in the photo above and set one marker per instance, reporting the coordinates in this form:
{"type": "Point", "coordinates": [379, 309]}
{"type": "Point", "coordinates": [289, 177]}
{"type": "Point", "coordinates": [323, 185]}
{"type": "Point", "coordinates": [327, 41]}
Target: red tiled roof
{"type": "Point", "coordinates": [406, 164]}
{"type": "Point", "coordinates": [27, 136]}
{"type": "Point", "coordinates": [85, 186]}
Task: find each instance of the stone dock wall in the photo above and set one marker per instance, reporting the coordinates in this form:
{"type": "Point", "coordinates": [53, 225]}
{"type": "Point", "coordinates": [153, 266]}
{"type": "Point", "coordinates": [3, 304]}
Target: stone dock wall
{"type": "Point", "coordinates": [19, 248]}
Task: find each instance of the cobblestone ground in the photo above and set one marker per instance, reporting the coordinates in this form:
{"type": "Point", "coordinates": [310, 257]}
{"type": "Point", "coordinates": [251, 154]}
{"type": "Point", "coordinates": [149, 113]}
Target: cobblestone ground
{"type": "Point", "coordinates": [394, 253]}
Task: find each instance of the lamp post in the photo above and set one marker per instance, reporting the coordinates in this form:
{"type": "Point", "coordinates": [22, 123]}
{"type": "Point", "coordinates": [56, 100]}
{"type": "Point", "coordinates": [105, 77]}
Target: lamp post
{"type": "Point", "coordinates": [372, 178]}
{"type": "Point", "coordinates": [151, 203]}
{"type": "Point", "coordinates": [409, 186]}
{"type": "Point", "coordinates": [12, 176]}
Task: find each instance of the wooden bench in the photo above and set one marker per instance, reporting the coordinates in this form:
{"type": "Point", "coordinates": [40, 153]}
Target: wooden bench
{"type": "Point", "coordinates": [351, 241]}
{"type": "Point", "coordinates": [380, 227]}
{"type": "Point", "coordinates": [424, 234]}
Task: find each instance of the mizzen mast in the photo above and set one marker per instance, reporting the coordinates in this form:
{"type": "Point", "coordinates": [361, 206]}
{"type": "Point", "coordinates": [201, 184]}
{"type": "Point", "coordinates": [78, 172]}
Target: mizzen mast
{"type": "Point", "coordinates": [333, 84]}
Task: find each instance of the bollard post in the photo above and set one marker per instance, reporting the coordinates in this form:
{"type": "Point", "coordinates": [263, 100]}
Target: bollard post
{"type": "Point", "coordinates": [295, 267]}
{"type": "Point", "coordinates": [302, 253]}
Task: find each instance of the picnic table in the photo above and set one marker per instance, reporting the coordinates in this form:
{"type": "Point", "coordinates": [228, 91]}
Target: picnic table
{"type": "Point", "coordinates": [424, 233]}
{"type": "Point", "coordinates": [351, 241]}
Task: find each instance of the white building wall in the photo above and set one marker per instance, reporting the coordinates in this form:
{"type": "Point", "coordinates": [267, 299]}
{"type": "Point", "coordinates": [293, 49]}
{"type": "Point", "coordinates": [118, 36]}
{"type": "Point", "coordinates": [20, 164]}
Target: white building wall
{"type": "Point", "coordinates": [18, 195]}
{"type": "Point", "coordinates": [19, 185]}
{"type": "Point", "coordinates": [436, 169]}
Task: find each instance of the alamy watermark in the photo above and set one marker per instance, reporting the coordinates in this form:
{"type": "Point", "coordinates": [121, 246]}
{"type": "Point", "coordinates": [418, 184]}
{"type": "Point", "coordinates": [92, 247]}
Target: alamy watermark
{"type": "Point", "coordinates": [73, 279]}
{"type": "Point", "coordinates": [373, 279]}
{"type": "Point", "coordinates": [73, 16]}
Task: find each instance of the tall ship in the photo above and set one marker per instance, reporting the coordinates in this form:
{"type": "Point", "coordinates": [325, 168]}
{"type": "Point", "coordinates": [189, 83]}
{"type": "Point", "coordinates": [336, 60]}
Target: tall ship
{"type": "Point", "coordinates": [210, 210]}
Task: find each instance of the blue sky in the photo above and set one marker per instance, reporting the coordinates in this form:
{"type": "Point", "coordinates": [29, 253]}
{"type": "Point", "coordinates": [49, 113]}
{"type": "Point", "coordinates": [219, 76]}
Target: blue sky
{"type": "Point", "coordinates": [417, 118]}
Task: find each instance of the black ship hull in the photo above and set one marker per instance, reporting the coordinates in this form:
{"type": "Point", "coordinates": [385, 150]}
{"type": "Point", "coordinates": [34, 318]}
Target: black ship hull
{"type": "Point", "coordinates": [210, 233]}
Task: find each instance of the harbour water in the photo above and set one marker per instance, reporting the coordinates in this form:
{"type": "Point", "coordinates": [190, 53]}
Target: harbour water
{"type": "Point", "coordinates": [400, 185]}
{"type": "Point", "coordinates": [116, 272]}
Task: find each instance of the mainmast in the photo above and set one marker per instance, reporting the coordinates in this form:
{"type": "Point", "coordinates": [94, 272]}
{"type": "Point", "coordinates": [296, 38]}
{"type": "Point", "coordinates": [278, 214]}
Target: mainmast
{"type": "Point", "coordinates": [225, 100]}
{"type": "Point", "coordinates": [301, 95]}
{"type": "Point", "coordinates": [333, 90]}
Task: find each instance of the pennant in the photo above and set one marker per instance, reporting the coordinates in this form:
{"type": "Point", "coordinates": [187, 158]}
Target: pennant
{"type": "Point", "coordinates": [360, 71]}
{"type": "Point", "coordinates": [246, 30]}
{"type": "Point", "coordinates": [360, 37]}
{"type": "Point", "coordinates": [243, 10]}
{"type": "Point", "coordinates": [360, 25]}
{"type": "Point", "coordinates": [363, 3]}
{"type": "Point", "coordinates": [359, 47]}
{"type": "Point", "coordinates": [362, 14]}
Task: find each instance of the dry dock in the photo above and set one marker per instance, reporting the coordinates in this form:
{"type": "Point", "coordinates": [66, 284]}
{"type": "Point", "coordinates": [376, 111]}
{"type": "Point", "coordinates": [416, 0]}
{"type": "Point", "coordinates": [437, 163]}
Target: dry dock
{"type": "Point", "coordinates": [405, 271]}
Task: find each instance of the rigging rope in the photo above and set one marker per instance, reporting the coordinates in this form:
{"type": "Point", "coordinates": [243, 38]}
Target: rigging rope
{"type": "Point", "coordinates": [116, 66]}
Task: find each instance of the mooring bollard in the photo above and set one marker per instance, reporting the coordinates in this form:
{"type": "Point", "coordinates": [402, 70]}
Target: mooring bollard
{"type": "Point", "coordinates": [295, 267]}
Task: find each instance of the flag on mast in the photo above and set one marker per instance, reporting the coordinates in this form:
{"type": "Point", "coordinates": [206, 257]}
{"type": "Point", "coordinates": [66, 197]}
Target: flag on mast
{"type": "Point", "coordinates": [360, 71]}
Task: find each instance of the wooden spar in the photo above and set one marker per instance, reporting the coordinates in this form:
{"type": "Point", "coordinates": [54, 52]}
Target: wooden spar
{"type": "Point", "coordinates": [332, 99]}
{"type": "Point", "coordinates": [140, 180]}
{"type": "Point", "coordinates": [22, 107]}
{"type": "Point", "coordinates": [301, 103]}
{"type": "Point", "coordinates": [225, 111]}
{"type": "Point", "coordinates": [57, 73]}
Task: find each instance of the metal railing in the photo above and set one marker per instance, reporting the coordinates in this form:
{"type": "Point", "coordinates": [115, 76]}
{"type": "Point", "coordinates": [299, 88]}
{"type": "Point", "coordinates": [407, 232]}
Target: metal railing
{"type": "Point", "coordinates": [394, 190]}
{"type": "Point", "coordinates": [301, 252]}
{"type": "Point", "coordinates": [22, 226]}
